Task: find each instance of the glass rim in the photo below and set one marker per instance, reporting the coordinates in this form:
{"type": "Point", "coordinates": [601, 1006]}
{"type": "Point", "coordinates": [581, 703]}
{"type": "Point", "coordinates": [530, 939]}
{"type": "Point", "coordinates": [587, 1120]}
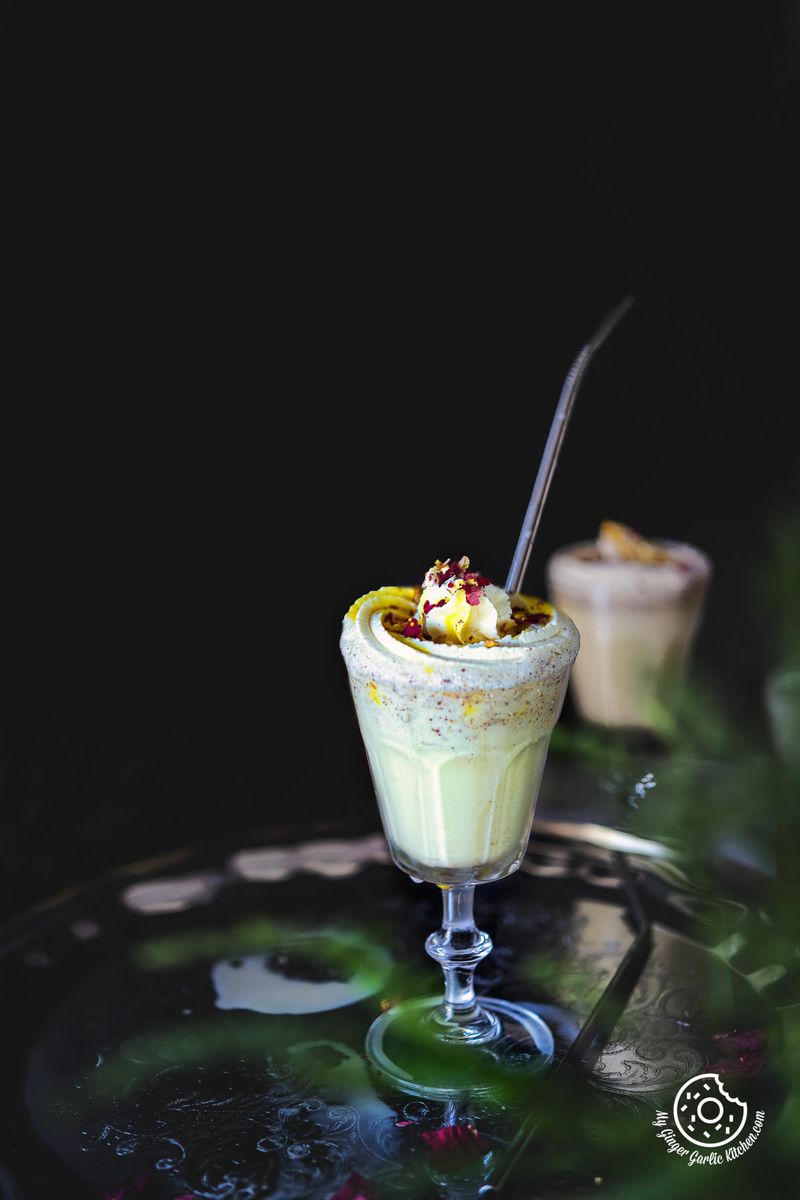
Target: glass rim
{"type": "Point", "coordinates": [568, 551]}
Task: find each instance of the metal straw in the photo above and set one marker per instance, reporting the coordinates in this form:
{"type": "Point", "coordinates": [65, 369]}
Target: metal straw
{"type": "Point", "coordinates": [547, 466]}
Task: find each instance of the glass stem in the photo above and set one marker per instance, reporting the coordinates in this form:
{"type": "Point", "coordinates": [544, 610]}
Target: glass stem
{"type": "Point", "coordinates": [459, 946]}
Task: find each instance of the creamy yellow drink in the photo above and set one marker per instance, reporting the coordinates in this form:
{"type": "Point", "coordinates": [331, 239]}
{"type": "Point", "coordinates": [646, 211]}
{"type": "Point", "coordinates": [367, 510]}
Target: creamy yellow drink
{"type": "Point", "coordinates": [637, 605]}
{"type": "Point", "coordinates": [457, 688]}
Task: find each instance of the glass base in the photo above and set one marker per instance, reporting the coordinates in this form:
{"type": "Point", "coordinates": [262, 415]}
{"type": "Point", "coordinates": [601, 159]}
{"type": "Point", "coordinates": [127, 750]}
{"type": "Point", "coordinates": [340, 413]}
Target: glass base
{"type": "Point", "coordinates": [409, 1045]}
{"type": "Point", "coordinates": [455, 876]}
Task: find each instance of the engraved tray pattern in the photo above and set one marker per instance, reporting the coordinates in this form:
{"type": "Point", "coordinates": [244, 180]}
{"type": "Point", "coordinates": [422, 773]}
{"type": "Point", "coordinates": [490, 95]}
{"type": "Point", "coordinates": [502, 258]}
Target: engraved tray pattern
{"type": "Point", "coordinates": [148, 1057]}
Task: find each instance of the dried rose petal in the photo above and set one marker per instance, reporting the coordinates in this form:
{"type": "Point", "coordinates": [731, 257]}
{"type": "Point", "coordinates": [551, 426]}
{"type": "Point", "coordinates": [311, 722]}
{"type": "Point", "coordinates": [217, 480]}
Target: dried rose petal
{"type": "Point", "coordinates": [473, 579]}
{"type": "Point", "coordinates": [524, 620]}
{"type": "Point", "coordinates": [134, 1187]}
{"type": "Point", "coordinates": [739, 1041]}
{"type": "Point", "coordinates": [744, 1067]}
{"type": "Point", "coordinates": [355, 1187]}
{"type": "Point", "coordinates": [742, 1049]}
{"type": "Point", "coordinates": [429, 604]}
{"type": "Point", "coordinates": [455, 1139]}
{"type": "Point", "coordinates": [453, 570]}
{"type": "Point", "coordinates": [412, 629]}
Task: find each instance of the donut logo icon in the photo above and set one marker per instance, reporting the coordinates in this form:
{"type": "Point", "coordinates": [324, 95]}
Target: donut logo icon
{"type": "Point", "coordinates": [705, 1114]}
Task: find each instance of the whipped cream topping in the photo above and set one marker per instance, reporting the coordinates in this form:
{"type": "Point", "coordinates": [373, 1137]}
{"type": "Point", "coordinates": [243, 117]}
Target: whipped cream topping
{"type": "Point", "coordinates": [456, 607]}
{"type": "Point", "coordinates": [385, 657]}
{"type": "Point", "coordinates": [459, 606]}
{"type": "Point", "coordinates": [388, 632]}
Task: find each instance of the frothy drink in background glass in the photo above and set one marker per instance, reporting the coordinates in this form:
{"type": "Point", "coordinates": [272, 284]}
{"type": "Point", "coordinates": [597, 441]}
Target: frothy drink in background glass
{"type": "Point", "coordinates": [637, 605]}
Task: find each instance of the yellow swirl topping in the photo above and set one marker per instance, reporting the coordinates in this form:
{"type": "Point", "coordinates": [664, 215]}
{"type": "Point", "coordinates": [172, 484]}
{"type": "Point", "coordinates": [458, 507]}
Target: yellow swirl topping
{"type": "Point", "coordinates": [455, 607]}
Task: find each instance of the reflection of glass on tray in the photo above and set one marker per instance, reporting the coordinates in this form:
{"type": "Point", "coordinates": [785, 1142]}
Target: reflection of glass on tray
{"type": "Point", "coordinates": [637, 605]}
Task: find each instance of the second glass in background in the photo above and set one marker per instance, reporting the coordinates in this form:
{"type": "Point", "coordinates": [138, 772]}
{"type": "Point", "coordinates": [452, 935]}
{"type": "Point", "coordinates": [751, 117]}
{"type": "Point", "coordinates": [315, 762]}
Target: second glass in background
{"type": "Point", "coordinates": [637, 623]}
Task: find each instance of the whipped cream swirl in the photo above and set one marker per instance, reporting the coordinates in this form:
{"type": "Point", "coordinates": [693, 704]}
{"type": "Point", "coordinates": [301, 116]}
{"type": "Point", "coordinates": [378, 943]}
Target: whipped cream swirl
{"type": "Point", "coordinates": [460, 606]}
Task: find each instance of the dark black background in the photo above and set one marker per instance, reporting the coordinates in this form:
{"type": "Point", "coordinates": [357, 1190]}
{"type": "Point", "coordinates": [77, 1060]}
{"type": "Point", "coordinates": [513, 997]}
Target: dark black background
{"type": "Point", "coordinates": [289, 311]}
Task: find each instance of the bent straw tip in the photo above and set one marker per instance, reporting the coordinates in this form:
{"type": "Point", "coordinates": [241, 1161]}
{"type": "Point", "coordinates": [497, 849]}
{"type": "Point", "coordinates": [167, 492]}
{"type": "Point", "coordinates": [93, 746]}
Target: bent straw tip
{"type": "Point", "coordinates": [611, 321]}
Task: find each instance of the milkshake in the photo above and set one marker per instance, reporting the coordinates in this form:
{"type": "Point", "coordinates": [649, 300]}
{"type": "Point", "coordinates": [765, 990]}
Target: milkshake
{"type": "Point", "coordinates": [457, 687]}
{"type": "Point", "coordinates": [637, 605]}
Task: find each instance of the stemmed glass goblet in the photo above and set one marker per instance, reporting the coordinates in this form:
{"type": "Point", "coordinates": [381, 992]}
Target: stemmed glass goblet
{"type": "Point", "coordinates": [456, 737]}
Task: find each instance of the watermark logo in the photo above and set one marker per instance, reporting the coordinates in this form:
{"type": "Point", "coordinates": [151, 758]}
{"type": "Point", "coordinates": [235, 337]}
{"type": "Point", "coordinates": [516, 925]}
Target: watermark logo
{"type": "Point", "coordinates": [706, 1115]}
